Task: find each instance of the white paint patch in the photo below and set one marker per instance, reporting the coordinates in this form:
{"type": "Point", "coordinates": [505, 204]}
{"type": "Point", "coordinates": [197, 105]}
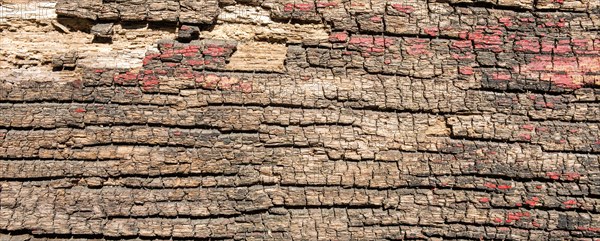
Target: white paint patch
{"type": "Point", "coordinates": [29, 10]}
{"type": "Point", "coordinates": [244, 14]}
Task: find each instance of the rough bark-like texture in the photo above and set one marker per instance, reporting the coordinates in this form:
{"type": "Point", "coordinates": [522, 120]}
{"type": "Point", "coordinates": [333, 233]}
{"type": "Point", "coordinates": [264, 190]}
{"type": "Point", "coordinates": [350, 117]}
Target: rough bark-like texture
{"type": "Point", "coordinates": [301, 120]}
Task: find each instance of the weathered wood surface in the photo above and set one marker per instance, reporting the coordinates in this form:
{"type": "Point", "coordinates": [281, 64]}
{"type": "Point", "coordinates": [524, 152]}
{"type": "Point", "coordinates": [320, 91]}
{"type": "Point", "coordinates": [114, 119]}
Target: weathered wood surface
{"type": "Point", "coordinates": [302, 120]}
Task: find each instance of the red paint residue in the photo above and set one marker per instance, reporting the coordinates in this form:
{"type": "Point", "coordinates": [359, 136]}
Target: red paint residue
{"type": "Point", "coordinates": [527, 46]}
{"type": "Point", "coordinates": [462, 44]}
{"type": "Point", "coordinates": [528, 127]}
{"type": "Point", "coordinates": [484, 200]}
{"type": "Point", "coordinates": [338, 37]}
{"type": "Point", "coordinates": [490, 185]}
{"type": "Point", "coordinates": [417, 49]}
{"type": "Point", "coordinates": [376, 19]}
{"type": "Point", "coordinates": [501, 76]}
{"type": "Point", "coordinates": [532, 202]}
{"type": "Point", "coordinates": [80, 110]}
{"type": "Point", "coordinates": [431, 31]}
{"type": "Point", "coordinates": [563, 80]}
{"type": "Point", "coordinates": [525, 136]}
{"type": "Point", "coordinates": [403, 8]}
{"type": "Point", "coordinates": [326, 4]}
{"type": "Point", "coordinates": [553, 175]}
{"type": "Point", "coordinates": [383, 42]}
{"type": "Point", "coordinates": [362, 41]}
{"type": "Point", "coordinates": [466, 70]}
{"type": "Point", "coordinates": [298, 6]}
{"type": "Point", "coordinates": [506, 21]}
{"type": "Point", "coordinates": [197, 62]}
{"type": "Point", "coordinates": [126, 77]}
{"type": "Point", "coordinates": [214, 51]}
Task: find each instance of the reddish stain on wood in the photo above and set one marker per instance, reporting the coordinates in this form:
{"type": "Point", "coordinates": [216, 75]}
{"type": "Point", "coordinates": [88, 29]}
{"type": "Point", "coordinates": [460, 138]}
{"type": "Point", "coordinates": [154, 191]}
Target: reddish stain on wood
{"type": "Point", "coordinates": [214, 51]}
{"type": "Point", "coordinates": [532, 202]}
{"type": "Point", "coordinates": [376, 19]}
{"type": "Point", "coordinates": [433, 31]}
{"type": "Point", "coordinates": [506, 21]}
{"type": "Point", "coordinates": [501, 76]}
{"type": "Point", "coordinates": [403, 8]}
{"type": "Point", "coordinates": [553, 175]}
{"type": "Point", "coordinates": [304, 7]}
{"type": "Point", "coordinates": [466, 70]}
{"type": "Point", "coordinates": [338, 37]}
{"type": "Point", "coordinates": [525, 136]}
{"type": "Point", "coordinates": [326, 4]}
{"type": "Point", "coordinates": [528, 127]}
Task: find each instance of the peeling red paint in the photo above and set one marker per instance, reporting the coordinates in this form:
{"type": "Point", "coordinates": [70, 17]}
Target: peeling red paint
{"type": "Point", "coordinates": [433, 31]}
{"type": "Point", "coordinates": [490, 185]}
{"type": "Point", "coordinates": [553, 175]}
{"type": "Point", "coordinates": [532, 202]}
{"type": "Point", "coordinates": [197, 62]}
{"type": "Point", "coordinates": [361, 41]}
{"type": "Point", "coordinates": [484, 200]}
{"type": "Point", "coordinates": [501, 76]}
{"type": "Point", "coordinates": [338, 37]}
{"type": "Point", "coordinates": [80, 110]}
{"type": "Point", "coordinates": [149, 82]}
{"type": "Point", "coordinates": [528, 127]}
{"type": "Point", "coordinates": [527, 46]}
{"type": "Point", "coordinates": [403, 8]}
{"type": "Point", "coordinates": [525, 136]}
{"type": "Point", "coordinates": [304, 7]}
{"type": "Point", "coordinates": [466, 70]}
{"type": "Point", "coordinates": [383, 42]}
{"type": "Point", "coordinates": [417, 49]}
{"type": "Point", "coordinates": [326, 4]}
{"type": "Point", "coordinates": [504, 187]}
{"type": "Point", "coordinates": [376, 19]}
{"type": "Point", "coordinates": [126, 77]}
{"type": "Point", "coordinates": [506, 21]}
{"type": "Point", "coordinates": [246, 87]}
{"type": "Point", "coordinates": [462, 44]}
{"type": "Point", "coordinates": [214, 51]}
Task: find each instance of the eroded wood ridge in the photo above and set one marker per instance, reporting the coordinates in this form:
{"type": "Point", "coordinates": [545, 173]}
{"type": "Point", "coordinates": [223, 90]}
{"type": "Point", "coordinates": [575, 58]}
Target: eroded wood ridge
{"type": "Point", "coordinates": [302, 120]}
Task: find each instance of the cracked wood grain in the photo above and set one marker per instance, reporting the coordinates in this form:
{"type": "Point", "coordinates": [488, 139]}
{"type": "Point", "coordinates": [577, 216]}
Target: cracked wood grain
{"type": "Point", "coordinates": [301, 120]}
